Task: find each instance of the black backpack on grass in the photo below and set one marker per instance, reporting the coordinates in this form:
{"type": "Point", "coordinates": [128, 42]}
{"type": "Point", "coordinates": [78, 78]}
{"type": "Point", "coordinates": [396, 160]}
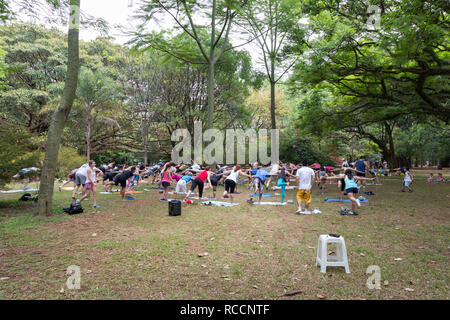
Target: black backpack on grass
{"type": "Point", "coordinates": [75, 208]}
{"type": "Point", "coordinates": [28, 197]}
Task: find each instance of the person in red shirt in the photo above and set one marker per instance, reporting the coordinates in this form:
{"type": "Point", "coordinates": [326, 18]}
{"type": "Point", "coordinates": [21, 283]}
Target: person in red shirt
{"type": "Point", "coordinates": [199, 181]}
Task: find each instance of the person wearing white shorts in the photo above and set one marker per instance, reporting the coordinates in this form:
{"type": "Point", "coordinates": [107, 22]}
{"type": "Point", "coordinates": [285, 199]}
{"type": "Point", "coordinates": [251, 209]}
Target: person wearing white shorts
{"type": "Point", "coordinates": [182, 183]}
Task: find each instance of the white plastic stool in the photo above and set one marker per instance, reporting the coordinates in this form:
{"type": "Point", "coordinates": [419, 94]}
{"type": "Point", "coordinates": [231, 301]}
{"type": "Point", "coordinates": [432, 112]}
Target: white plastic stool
{"type": "Point", "coordinates": [324, 260]}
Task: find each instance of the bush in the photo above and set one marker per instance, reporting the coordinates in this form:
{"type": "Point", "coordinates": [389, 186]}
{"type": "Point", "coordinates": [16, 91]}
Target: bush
{"type": "Point", "coordinates": [18, 151]}
{"type": "Point", "coordinates": [68, 159]}
{"type": "Point", "coordinates": [295, 149]}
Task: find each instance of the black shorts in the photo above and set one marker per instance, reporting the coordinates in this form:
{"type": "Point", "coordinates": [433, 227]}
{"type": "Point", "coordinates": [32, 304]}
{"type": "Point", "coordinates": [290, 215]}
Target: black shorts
{"type": "Point", "coordinates": [342, 184]}
{"type": "Point", "coordinates": [165, 184]}
{"type": "Point", "coordinates": [118, 180]}
{"type": "Point", "coordinates": [351, 190]}
{"type": "Point", "coordinates": [230, 185]}
{"type": "Point", "coordinates": [214, 182]}
{"type": "Point", "coordinates": [360, 174]}
{"type": "Point", "coordinates": [110, 176]}
{"type": "Point", "coordinates": [197, 182]}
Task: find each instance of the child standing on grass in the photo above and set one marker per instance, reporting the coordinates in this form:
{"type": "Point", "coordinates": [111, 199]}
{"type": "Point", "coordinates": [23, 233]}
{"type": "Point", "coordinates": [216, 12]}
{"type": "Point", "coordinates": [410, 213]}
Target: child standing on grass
{"type": "Point", "coordinates": [166, 179]}
{"type": "Point", "coordinates": [407, 180]}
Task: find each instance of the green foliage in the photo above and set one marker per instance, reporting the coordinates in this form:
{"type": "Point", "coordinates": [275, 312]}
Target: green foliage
{"type": "Point", "coordinates": [295, 148]}
{"type": "Point", "coordinates": [68, 159]}
{"type": "Point", "coordinates": [18, 151]}
{"type": "Point", "coordinates": [120, 157]}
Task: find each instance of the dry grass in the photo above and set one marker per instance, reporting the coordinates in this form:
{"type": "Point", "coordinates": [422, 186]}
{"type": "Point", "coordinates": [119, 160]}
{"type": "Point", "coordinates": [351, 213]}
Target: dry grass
{"type": "Point", "coordinates": [254, 252]}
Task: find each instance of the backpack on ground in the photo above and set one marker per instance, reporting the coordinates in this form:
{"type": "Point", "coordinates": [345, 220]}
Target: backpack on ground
{"type": "Point", "coordinates": [75, 208]}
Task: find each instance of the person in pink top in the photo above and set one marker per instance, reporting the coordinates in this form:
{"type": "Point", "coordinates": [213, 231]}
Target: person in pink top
{"type": "Point", "coordinates": [166, 179]}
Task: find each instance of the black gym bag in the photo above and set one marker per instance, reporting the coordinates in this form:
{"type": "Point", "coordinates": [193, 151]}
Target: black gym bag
{"type": "Point", "coordinates": [74, 209]}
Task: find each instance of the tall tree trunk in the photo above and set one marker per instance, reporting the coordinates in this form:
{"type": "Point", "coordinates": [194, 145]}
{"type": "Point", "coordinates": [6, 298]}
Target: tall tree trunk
{"type": "Point", "coordinates": [144, 133]}
{"type": "Point", "coordinates": [88, 133]}
{"type": "Point", "coordinates": [60, 116]}
{"type": "Point", "coordinates": [211, 84]}
{"type": "Point", "coordinates": [272, 93]}
{"type": "Point", "coordinates": [393, 160]}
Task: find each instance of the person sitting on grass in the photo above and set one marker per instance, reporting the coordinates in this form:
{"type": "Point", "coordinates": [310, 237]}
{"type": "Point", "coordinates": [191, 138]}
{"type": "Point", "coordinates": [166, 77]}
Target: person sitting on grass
{"type": "Point", "coordinates": [430, 178]}
{"type": "Point", "coordinates": [440, 178]}
{"type": "Point", "coordinates": [407, 180]}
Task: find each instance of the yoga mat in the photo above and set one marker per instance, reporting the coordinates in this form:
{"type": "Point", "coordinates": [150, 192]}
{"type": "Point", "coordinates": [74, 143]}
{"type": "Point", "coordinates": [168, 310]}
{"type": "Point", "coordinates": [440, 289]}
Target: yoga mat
{"type": "Point", "coordinates": [271, 203]}
{"type": "Point", "coordinates": [331, 183]}
{"type": "Point", "coordinates": [104, 192]}
{"type": "Point", "coordinates": [264, 195]}
{"type": "Point", "coordinates": [68, 188]}
{"type": "Point", "coordinates": [287, 188]}
{"type": "Point", "coordinates": [373, 184]}
{"type": "Point", "coordinates": [18, 191]}
{"type": "Point", "coordinates": [203, 198]}
{"type": "Point", "coordinates": [345, 200]}
{"type": "Point", "coordinates": [130, 192]}
{"type": "Point", "coordinates": [220, 203]}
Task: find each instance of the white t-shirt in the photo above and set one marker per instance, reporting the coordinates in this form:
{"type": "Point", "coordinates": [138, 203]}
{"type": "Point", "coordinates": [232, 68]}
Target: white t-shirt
{"type": "Point", "coordinates": [305, 175]}
{"type": "Point", "coordinates": [274, 170]}
{"type": "Point", "coordinates": [407, 177]}
{"type": "Point", "coordinates": [83, 170]}
{"type": "Point", "coordinates": [234, 176]}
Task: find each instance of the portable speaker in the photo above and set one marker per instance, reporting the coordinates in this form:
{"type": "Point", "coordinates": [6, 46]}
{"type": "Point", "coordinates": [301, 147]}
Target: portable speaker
{"type": "Point", "coordinates": [175, 208]}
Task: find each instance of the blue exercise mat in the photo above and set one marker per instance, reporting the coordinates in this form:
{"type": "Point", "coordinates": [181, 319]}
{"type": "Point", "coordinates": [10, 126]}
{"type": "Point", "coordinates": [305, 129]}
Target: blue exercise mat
{"type": "Point", "coordinates": [264, 195]}
{"type": "Point", "coordinates": [346, 200]}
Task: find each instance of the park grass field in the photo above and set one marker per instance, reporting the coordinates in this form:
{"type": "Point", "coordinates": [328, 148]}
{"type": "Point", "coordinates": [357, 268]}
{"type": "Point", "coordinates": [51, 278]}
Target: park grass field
{"type": "Point", "coordinates": [134, 250]}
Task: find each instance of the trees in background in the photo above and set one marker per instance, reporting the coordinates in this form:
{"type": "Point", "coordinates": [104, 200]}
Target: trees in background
{"type": "Point", "coordinates": [211, 37]}
{"type": "Point", "coordinates": [364, 80]}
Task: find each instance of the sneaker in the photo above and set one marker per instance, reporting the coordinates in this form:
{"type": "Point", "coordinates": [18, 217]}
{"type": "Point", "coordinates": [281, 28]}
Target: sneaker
{"type": "Point", "coordinates": [306, 212]}
{"type": "Point", "coordinates": [358, 202]}
{"type": "Point", "coordinates": [299, 211]}
{"type": "Point", "coordinates": [352, 213]}
{"type": "Point", "coordinates": [411, 190]}
{"type": "Point", "coordinates": [77, 202]}
{"type": "Point", "coordinates": [95, 207]}
{"type": "Point", "coordinates": [316, 211]}
{"type": "Point", "coordinates": [403, 190]}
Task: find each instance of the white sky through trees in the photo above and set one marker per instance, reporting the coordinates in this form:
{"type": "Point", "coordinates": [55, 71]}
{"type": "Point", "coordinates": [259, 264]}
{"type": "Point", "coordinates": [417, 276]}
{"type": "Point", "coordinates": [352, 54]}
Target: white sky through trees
{"type": "Point", "coordinates": [119, 15]}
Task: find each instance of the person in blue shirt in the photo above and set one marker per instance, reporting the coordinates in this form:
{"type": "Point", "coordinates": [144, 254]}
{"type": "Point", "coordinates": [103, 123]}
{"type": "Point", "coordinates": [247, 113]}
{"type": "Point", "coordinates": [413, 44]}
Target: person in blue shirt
{"type": "Point", "coordinates": [260, 177]}
{"type": "Point", "coordinates": [360, 166]}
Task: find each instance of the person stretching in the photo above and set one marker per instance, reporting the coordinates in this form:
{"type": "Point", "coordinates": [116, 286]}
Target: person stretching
{"type": "Point", "coordinates": [121, 179]}
{"type": "Point", "coordinates": [199, 182]}
{"type": "Point", "coordinates": [232, 180]}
